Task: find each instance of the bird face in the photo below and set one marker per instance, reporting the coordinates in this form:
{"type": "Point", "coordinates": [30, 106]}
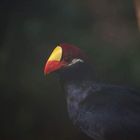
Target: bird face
{"type": "Point", "coordinates": [63, 56]}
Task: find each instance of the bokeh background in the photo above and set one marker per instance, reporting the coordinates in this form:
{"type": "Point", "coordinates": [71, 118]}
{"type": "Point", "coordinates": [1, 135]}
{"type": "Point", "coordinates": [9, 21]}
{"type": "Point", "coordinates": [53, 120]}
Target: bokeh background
{"type": "Point", "coordinates": [32, 106]}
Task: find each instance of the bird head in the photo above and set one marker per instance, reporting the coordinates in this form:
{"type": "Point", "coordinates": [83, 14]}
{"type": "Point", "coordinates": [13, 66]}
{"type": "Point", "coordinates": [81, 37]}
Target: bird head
{"type": "Point", "coordinates": [64, 56]}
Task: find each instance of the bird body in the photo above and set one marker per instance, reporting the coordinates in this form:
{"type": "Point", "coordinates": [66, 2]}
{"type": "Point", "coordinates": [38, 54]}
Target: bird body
{"type": "Point", "coordinates": [99, 113]}
{"type": "Point", "coordinates": [103, 112]}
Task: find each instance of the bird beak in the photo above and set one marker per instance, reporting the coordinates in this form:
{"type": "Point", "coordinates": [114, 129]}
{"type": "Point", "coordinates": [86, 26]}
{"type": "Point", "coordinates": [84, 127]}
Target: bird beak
{"type": "Point", "coordinates": [54, 61]}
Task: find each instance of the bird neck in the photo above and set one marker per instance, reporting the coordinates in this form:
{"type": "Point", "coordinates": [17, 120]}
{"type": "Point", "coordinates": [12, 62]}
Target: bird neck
{"type": "Point", "coordinates": [76, 83]}
{"type": "Point", "coordinates": [77, 73]}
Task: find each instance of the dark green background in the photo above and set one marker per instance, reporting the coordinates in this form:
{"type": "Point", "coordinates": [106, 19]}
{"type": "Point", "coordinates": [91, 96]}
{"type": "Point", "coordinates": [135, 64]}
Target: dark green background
{"type": "Point", "coordinates": [33, 106]}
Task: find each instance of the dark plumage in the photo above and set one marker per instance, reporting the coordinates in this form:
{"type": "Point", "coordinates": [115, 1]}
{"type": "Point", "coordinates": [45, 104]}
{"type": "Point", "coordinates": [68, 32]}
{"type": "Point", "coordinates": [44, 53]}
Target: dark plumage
{"type": "Point", "coordinates": [103, 112]}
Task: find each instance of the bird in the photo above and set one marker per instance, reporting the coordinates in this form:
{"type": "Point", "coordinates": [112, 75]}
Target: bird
{"type": "Point", "coordinates": [101, 111]}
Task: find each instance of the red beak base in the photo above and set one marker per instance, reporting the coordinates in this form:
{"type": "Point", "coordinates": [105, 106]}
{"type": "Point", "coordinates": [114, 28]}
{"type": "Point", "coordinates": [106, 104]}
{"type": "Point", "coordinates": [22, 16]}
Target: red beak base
{"type": "Point", "coordinates": [52, 66]}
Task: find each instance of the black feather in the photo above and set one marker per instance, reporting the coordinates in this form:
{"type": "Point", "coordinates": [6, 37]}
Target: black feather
{"type": "Point", "coordinates": [103, 112]}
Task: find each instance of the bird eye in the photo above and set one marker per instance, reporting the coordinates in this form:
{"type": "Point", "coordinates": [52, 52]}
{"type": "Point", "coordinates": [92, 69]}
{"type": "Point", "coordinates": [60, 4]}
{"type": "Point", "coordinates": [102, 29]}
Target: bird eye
{"type": "Point", "coordinates": [67, 58]}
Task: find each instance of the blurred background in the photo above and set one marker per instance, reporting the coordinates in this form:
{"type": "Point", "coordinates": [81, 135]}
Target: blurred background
{"type": "Point", "coordinates": [32, 106]}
